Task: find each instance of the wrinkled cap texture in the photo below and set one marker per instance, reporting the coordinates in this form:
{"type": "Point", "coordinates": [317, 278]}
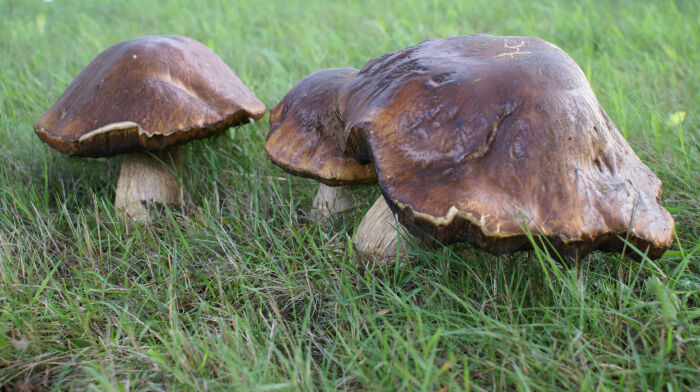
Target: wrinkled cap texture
{"type": "Point", "coordinates": [307, 132]}
{"type": "Point", "coordinates": [481, 138]}
{"type": "Point", "coordinates": [151, 92]}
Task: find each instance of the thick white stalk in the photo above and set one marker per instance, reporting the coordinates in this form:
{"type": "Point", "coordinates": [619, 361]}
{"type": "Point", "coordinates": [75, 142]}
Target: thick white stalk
{"type": "Point", "coordinates": [377, 235]}
{"type": "Point", "coordinates": [331, 200]}
{"type": "Point", "coordinates": [149, 178]}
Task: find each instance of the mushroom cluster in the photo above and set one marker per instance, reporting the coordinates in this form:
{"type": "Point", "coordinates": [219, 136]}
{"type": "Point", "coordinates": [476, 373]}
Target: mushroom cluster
{"type": "Point", "coordinates": [477, 138]}
{"type": "Point", "coordinates": [484, 139]}
{"type": "Point", "coordinates": [146, 97]}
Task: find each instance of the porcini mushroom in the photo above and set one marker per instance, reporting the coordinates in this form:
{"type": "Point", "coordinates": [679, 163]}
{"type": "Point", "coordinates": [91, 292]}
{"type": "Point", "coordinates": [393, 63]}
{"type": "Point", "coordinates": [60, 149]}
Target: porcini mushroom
{"type": "Point", "coordinates": [305, 139]}
{"type": "Point", "coordinates": [146, 97]}
{"type": "Point", "coordinates": [482, 138]}
{"type": "Point", "coordinates": [485, 139]}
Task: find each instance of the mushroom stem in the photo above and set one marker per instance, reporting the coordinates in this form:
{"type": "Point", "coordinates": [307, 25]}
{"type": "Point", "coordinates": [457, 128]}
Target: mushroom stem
{"type": "Point", "coordinates": [149, 178]}
{"type": "Point", "coordinates": [331, 200]}
{"type": "Point", "coordinates": [377, 234]}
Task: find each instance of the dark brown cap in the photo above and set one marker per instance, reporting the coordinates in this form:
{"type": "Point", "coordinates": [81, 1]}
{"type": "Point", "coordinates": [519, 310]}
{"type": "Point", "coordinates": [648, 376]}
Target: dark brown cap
{"type": "Point", "coordinates": [307, 132]}
{"type": "Point", "coordinates": [151, 92]}
{"type": "Point", "coordinates": [477, 138]}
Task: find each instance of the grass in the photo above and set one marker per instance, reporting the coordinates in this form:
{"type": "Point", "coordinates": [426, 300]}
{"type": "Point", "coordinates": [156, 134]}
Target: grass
{"type": "Point", "coordinates": [243, 291]}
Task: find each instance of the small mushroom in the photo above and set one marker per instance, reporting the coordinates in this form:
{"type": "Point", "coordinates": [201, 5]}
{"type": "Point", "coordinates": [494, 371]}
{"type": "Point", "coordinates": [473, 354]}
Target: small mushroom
{"type": "Point", "coordinates": [305, 139]}
{"type": "Point", "coordinates": [478, 138]}
{"type": "Point", "coordinates": [145, 97]}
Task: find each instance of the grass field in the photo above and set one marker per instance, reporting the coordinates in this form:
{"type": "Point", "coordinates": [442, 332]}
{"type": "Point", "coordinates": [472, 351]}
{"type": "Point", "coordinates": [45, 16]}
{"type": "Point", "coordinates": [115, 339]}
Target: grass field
{"type": "Point", "coordinates": [243, 291]}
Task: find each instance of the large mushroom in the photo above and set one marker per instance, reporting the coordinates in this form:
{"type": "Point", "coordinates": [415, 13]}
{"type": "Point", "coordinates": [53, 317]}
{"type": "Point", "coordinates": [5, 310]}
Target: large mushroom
{"type": "Point", "coordinates": [146, 97]}
{"type": "Point", "coordinates": [486, 139]}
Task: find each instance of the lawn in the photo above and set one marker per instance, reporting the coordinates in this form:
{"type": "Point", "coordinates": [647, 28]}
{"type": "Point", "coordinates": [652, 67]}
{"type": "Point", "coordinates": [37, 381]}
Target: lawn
{"type": "Point", "coordinates": [242, 290]}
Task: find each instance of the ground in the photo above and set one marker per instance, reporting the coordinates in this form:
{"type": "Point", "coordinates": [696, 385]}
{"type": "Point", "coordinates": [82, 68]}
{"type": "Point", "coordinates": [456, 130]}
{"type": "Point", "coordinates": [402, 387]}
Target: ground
{"type": "Point", "coordinates": [242, 290]}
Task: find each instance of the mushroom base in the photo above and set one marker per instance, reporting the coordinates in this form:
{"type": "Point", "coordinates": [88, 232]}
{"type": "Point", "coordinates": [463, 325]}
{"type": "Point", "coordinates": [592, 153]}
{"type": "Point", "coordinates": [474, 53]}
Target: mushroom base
{"type": "Point", "coordinates": [147, 179]}
{"type": "Point", "coordinates": [331, 200]}
{"type": "Point", "coordinates": [377, 235]}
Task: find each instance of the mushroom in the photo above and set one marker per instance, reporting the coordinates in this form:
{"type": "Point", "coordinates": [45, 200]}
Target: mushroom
{"type": "Point", "coordinates": [146, 97]}
{"type": "Point", "coordinates": [488, 139]}
{"type": "Point", "coordinates": [305, 139]}
{"type": "Point", "coordinates": [492, 140]}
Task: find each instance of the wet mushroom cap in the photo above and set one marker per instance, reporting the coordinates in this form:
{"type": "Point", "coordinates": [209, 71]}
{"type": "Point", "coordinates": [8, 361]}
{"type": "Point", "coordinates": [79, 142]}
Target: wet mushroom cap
{"type": "Point", "coordinates": [307, 132]}
{"type": "Point", "coordinates": [151, 92]}
{"type": "Point", "coordinates": [480, 138]}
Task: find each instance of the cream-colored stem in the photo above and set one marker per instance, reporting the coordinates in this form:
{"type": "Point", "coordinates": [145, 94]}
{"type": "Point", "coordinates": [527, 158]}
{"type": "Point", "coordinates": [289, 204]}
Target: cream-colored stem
{"type": "Point", "coordinates": [377, 234]}
{"type": "Point", "coordinates": [149, 178]}
{"type": "Point", "coordinates": [331, 200]}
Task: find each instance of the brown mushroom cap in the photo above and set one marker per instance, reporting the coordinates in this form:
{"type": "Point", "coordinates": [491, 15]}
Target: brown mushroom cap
{"type": "Point", "coordinates": [151, 92]}
{"type": "Point", "coordinates": [307, 132]}
{"type": "Point", "coordinates": [475, 138]}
